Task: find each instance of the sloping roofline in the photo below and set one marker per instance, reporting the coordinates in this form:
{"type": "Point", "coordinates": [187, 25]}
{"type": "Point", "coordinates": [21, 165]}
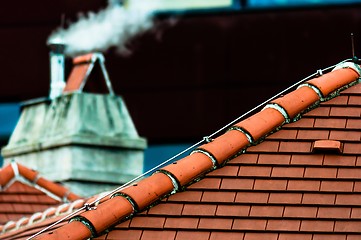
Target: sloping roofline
{"type": "Point", "coordinates": [212, 155]}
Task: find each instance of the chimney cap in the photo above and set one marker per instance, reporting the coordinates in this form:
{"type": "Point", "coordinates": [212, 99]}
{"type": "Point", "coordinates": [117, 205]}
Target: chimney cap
{"type": "Point", "coordinates": [57, 45]}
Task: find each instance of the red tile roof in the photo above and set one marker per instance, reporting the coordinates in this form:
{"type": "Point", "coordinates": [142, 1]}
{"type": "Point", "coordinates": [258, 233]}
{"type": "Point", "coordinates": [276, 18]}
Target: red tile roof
{"type": "Point", "coordinates": [24, 194]}
{"type": "Point", "coordinates": [277, 188]}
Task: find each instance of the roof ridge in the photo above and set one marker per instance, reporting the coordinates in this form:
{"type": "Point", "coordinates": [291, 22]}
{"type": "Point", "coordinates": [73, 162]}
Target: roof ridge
{"type": "Point", "coordinates": [18, 172]}
{"type": "Point", "coordinates": [209, 156]}
{"type": "Point", "coordinates": [14, 170]}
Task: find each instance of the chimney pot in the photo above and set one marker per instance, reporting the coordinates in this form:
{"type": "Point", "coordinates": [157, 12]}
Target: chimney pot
{"type": "Point", "coordinates": [57, 65]}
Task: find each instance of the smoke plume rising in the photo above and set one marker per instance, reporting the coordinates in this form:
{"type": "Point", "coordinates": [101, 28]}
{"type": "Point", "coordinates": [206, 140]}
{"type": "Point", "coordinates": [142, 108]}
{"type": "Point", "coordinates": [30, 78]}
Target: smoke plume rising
{"type": "Point", "coordinates": [113, 26]}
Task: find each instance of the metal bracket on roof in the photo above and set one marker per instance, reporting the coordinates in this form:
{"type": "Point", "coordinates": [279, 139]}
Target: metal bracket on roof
{"type": "Point", "coordinates": [319, 72]}
{"type": "Point", "coordinates": [88, 207]}
{"type": "Point", "coordinates": [208, 139]}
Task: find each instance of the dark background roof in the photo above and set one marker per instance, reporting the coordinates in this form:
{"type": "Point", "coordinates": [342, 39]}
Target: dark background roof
{"type": "Point", "coordinates": [192, 78]}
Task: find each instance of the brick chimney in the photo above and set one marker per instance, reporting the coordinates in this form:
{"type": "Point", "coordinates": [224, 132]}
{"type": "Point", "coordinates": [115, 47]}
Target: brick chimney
{"type": "Point", "coordinates": [86, 141]}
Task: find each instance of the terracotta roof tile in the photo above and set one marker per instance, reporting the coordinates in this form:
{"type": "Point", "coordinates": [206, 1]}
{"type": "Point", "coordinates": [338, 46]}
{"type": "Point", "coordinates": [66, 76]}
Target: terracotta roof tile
{"type": "Point", "coordinates": [255, 171]}
{"type": "Point", "coordinates": [284, 135]}
{"type": "Point", "coordinates": [300, 212]}
{"type": "Point", "coordinates": [329, 237]}
{"type": "Point", "coordinates": [166, 235]}
{"type": "Point", "coordinates": [339, 160]}
{"type": "Point", "coordinates": [181, 223]}
{"type": "Point", "coordinates": [294, 236]}
{"type": "Point", "coordinates": [252, 197]}
{"type": "Point", "coordinates": [232, 210]}
{"type": "Point", "coordinates": [283, 225]}
{"type": "Point", "coordinates": [345, 135]}
{"type": "Point", "coordinates": [285, 198]}
{"type": "Point", "coordinates": [257, 236]}
{"type": "Point", "coordinates": [295, 147]}
{"type": "Point", "coordinates": [249, 224]}
{"type": "Point", "coordinates": [266, 211]}
{"type": "Point", "coordinates": [185, 235]}
{"type": "Point", "coordinates": [313, 172]}
{"type": "Point", "coordinates": [215, 224]}
{"type": "Point", "coordinates": [328, 83]}
{"type": "Point", "coordinates": [305, 96]}
{"type": "Point", "coordinates": [226, 171]}
{"type": "Point", "coordinates": [226, 235]}
{"type": "Point", "coordinates": [265, 147]}
{"type": "Point", "coordinates": [354, 100]}
{"type": "Point", "coordinates": [319, 198]}
{"type": "Point", "coordinates": [305, 123]}
{"type": "Point", "coordinates": [313, 135]}
{"type": "Point", "coordinates": [322, 111]}
{"type": "Point", "coordinates": [327, 212]}
{"type": "Point", "coordinates": [353, 123]}
{"type": "Point", "coordinates": [210, 183]}
{"type": "Point", "coordinates": [184, 196]}
{"type": "Point", "coordinates": [287, 188]}
{"type": "Point", "coordinates": [274, 159]}
{"type": "Point", "coordinates": [218, 196]}
{"type": "Point", "coordinates": [24, 194]}
{"type": "Point", "coordinates": [317, 226]}
{"type": "Point", "coordinates": [149, 222]}
{"type": "Point", "coordinates": [352, 148]}
{"type": "Point", "coordinates": [348, 199]}
{"type": "Point", "coordinates": [124, 235]}
{"type": "Point", "coordinates": [315, 159]}
{"type": "Point", "coordinates": [199, 210]}
{"type": "Point", "coordinates": [303, 185]}
{"type": "Point", "coordinates": [288, 172]}
{"type": "Point", "coordinates": [330, 123]}
{"type": "Point", "coordinates": [356, 212]}
{"type": "Point", "coordinates": [353, 236]}
{"type": "Point", "coordinates": [169, 209]}
{"type": "Point", "coordinates": [245, 158]}
{"type": "Point", "coordinates": [267, 184]}
{"type": "Point", "coordinates": [237, 184]}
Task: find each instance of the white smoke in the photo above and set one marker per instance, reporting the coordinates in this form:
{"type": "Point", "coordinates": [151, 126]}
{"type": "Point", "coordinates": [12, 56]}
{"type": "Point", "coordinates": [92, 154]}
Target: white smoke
{"type": "Point", "coordinates": [111, 27]}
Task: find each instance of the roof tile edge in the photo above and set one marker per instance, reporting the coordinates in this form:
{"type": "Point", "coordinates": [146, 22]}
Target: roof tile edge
{"type": "Point", "coordinates": [191, 167]}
